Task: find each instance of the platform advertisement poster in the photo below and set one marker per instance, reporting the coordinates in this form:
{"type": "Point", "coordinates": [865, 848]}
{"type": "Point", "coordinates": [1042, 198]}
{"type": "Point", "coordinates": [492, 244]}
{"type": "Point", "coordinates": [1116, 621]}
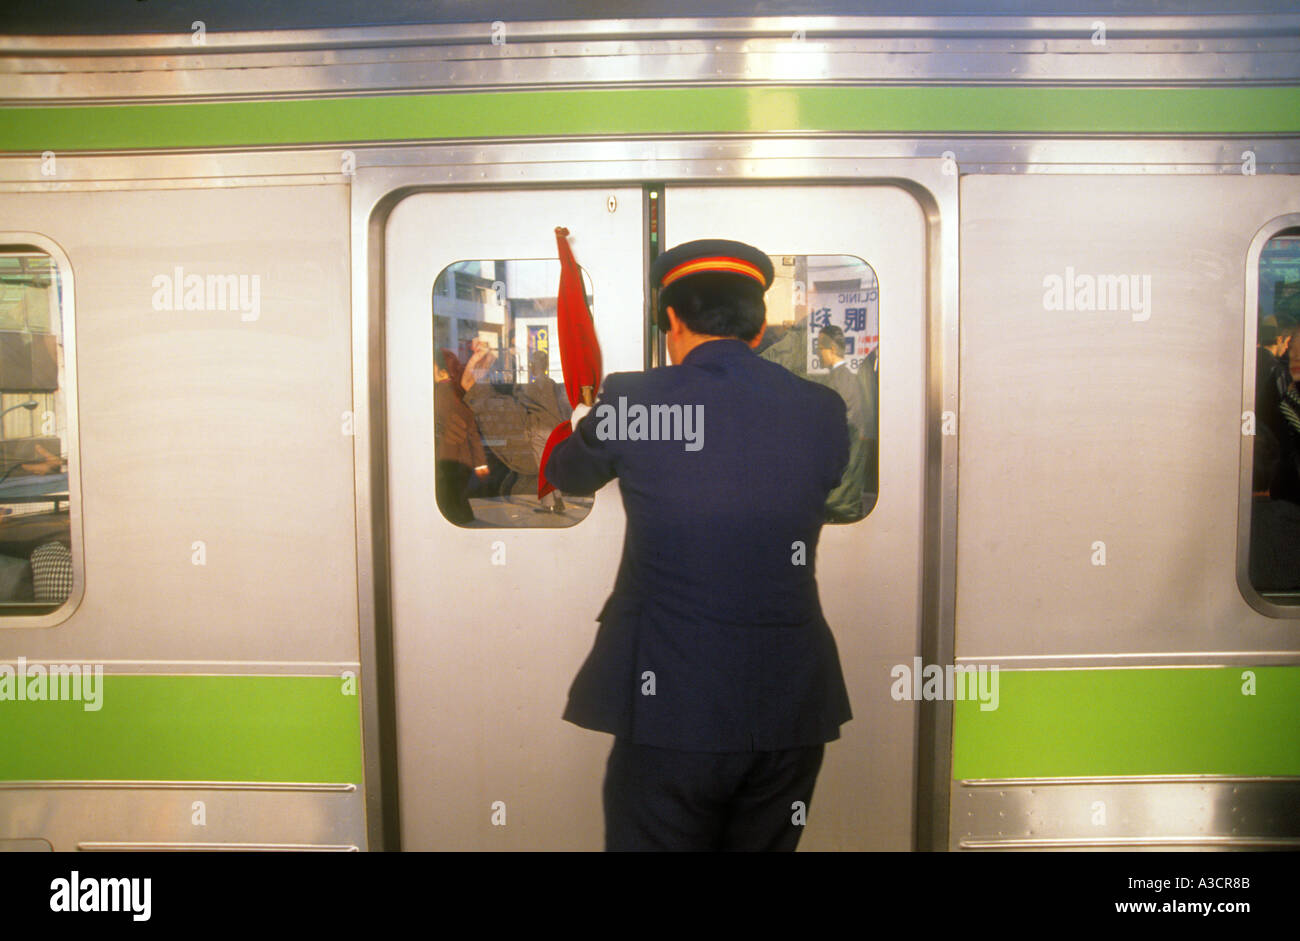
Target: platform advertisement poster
{"type": "Point", "coordinates": [539, 340]}
{"type": "Point", "coordinates": [835, 301]}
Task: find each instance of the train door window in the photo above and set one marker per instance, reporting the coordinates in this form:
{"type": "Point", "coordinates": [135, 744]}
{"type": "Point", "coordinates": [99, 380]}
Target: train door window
{"type": "Point", "coordinates": [823, 316]}
{"type": "Point", "coordinates": [36, 562]}
{"type": "Point", "coordinates": [1274, 564]}
{"type": "Point", "coordinates": [499, 392]}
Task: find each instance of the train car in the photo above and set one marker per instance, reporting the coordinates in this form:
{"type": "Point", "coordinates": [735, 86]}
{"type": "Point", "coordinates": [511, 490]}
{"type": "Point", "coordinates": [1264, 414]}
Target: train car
{"type": "Point", "coordinates": [235, 612]}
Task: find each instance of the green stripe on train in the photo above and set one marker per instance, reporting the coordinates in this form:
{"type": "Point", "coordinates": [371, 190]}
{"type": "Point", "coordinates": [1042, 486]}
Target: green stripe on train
{"type": "Point", "coordinates": [893, 109]}
{"type": "Point", "coordinates": [1067, 723]}
{"type": "Point", "coordinates": [189, 728]}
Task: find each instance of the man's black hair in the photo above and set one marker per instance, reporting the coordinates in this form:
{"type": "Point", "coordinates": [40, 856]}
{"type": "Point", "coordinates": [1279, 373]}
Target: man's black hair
{"type": "Point", "coordinates": [716, 304]}
{"type": "Point", "coordinates": [832, 337]}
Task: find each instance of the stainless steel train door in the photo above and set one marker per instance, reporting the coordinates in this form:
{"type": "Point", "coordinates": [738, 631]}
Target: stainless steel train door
{"type": "Point", "coordinates": [838, 240]}
{"type": "Point", "coordinates": [491, 620]}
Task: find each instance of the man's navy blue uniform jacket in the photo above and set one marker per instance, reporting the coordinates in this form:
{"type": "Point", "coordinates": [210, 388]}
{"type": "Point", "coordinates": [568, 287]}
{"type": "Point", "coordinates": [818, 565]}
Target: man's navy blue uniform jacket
{"type": "Point", "coordinates": [716, 593]}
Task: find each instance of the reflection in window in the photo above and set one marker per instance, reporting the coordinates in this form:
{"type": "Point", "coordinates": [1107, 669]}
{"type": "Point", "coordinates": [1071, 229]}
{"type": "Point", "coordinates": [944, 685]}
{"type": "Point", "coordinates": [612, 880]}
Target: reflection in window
{"type": "Point", "coordinates": [498, 393]}
{"type": "Point", "coordinates": [35, 532]}
{"type": "Point", "coordinates": [1275, 507]}
{"type": "Point", "coordinates": [823, 314]}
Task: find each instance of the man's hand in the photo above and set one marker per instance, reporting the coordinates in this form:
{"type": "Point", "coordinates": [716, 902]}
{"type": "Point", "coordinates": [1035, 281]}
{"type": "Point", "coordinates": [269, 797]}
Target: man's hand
{"type": "Point", "coordinates": [578, 411]}
{"type": "Point", "coordinates": [480, 361]}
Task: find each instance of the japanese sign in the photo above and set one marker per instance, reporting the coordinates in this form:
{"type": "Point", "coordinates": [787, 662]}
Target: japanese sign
{"type": "Point", "coordinates": [855, 311]}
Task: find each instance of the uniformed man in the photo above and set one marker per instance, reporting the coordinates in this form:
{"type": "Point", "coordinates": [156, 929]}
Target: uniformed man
{"type": "Point", "coordinates": [713, 665]}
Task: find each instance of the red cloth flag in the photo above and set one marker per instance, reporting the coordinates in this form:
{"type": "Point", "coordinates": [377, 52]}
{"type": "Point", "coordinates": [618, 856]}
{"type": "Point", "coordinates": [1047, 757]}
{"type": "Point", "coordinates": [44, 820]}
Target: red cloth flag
{"type": "Point", "coordinates": [579, 349]}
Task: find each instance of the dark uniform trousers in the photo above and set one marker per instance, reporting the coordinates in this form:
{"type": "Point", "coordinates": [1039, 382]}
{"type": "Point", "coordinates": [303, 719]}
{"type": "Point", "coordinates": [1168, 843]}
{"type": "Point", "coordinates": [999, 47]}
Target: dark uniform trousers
{"type": "Point", "coordinates": [666, 799]}
{"type": "Point", "coordinates": [713, 666]}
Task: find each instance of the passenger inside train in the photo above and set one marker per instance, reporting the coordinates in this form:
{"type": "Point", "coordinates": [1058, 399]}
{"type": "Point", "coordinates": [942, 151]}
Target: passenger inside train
{"type": "Point", "coordinates": [35, 532]}
{"type": "Point", "coordinates": [1274, 564]}
{"type": "Point", "coordinates": [494, 317]}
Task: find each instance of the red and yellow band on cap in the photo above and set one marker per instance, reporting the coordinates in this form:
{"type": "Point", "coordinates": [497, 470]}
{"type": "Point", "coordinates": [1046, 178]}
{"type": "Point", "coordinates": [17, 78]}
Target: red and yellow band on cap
{"type": "Point", "coordinates": [718, 263]}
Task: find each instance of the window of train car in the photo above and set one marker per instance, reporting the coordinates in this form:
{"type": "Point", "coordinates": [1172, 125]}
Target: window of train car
{"type": "Point", "coordinates": [823, 316]}
{"type": "Point", "coordinates": [499, 392]}
{"type": "Point", "coordinates": [1274, 564]}
{"type": "Point", "coordinates": [36, 571]}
